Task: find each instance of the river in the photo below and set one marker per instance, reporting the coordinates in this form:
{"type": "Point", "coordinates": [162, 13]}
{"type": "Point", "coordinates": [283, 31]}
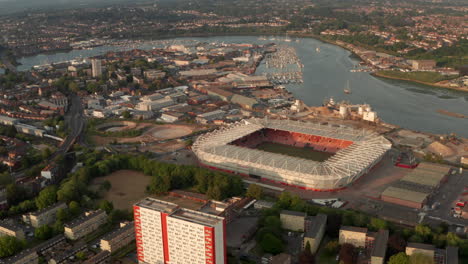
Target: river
{"type": "Point", "coordinates": [326, 73]}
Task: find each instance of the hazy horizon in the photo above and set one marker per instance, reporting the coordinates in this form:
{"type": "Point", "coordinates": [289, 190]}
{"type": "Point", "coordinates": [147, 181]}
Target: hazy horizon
{"type": "Point", "coordinates": [13, 6]}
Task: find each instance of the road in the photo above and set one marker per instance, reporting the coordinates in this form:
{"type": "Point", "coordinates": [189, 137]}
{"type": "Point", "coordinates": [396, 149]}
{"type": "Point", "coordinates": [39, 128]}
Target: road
{"type": "Point", "coordinates": [75, 120]}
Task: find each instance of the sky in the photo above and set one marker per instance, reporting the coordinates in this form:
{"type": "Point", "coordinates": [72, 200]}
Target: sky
{"type": "Point", "coordinates": [11, 6]}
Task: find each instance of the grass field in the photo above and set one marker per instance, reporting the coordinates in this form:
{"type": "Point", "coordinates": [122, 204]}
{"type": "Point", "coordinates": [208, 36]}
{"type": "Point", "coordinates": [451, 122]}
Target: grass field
{"type": "Point", "coordinates": [305, 153]}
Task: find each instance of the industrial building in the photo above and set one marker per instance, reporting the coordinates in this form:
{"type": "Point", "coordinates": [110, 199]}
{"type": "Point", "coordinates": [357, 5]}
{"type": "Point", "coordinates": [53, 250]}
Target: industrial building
{"type": "Point", "coordinates": [414, 189]}
{"type": "Point", "coordinates": [85, 224]}
{"type": "Point", "coordinates": [118, 238]}
{"type": "Point", "coordinates": [166, 233]}
{"type": "Point", "coordinates": [45, 216]}
{"type": "Point", "coordinates": [314, 231]}
{"type": "Point", "coordinates": [232, 149]}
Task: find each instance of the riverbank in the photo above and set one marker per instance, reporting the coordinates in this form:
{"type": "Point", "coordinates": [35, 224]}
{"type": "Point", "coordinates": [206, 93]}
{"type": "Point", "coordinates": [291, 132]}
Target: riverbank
{"type": "Point", "coordinates": [383, 75]}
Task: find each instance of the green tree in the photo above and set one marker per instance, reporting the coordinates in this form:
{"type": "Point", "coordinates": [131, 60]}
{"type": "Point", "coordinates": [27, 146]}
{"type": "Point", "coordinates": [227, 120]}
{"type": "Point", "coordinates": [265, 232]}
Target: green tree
{"type": "Point", "coordinates": [57, 227]}
{"type": "Point", "coordinates": [254, 191]}
{"type": "Point", "coordinates": [43, 232]}
{"type": "Point", "coordinates": [81, 255]}
{"type": "Point", "coordinates": [400, 258]}
{"type": "Point", "coordinates": [62, 215]}
{"type": "Point", "coordinates": [453, 239]}
{"type": "Point", "coordinates": [106, 206]}
{"type": "Point", "coordinates": [47, 197]}
{"type": "Point", "coordinates": [332, 247]}
{"type": "Point", "coordinates": [46, 153]}
{"type": "Point", "coordinates": [376, 224]}
{"type": "Point", "coordinates": [74, 208]}
{"type": "Point", "coordinates": [9, 246]}
{"type": "Point", "coordinates": [72, 86]}
{"type": "Point", "coordinates": [271, 244]}
{"type": "Point", "coordinates": [126, 114]}
{"type": "Point", "coordinates": [419, 258]}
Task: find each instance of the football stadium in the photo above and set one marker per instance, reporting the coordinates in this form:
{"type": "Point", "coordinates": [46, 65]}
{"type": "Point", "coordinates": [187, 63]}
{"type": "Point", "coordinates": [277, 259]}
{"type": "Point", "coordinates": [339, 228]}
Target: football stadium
{"type": "Point", "coordinates": [311, 156]}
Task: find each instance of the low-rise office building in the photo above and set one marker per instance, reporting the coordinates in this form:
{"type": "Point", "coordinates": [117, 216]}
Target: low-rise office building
{"type": "Point", "coordinates": [119, 238]}
{"type": "Point", "coordinates": [379, 249]}
{"type": "Point", "coordinates": [85, 224]}
{"type": "Point", "coordinates": [314, 231]}
{"type": "Point", "coordinates": [9, 229]}
{"type": "Point", "coordinates": [355, 236]}
{"type": "Point", "coordinates": [291, 220]}
{"type": "Point", "coordinates": [45, 216]}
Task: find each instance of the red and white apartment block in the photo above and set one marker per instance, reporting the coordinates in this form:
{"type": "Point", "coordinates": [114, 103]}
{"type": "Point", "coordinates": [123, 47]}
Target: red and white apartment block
{"type": "Point", "coordinates": [168, 234]}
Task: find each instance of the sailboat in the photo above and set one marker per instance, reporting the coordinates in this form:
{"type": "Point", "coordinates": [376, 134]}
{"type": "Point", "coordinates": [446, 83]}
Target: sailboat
{"type": "Point", "coordinates": [347, 90]}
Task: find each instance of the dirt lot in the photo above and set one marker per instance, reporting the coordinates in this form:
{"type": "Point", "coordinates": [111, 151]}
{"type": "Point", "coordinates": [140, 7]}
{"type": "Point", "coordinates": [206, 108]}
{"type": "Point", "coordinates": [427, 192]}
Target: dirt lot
{"type": "Point", "coordinates": [128, 187]}
{"type": "Point", "coordinates": [152, 133]}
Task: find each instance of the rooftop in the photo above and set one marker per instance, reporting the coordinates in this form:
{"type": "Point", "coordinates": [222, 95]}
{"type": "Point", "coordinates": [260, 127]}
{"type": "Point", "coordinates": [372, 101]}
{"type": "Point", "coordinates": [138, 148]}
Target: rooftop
{"type": "Point", "coordinates": [405, 194]}
{"type": "Point", "coordinates": [318, 222]}
{"type": "Point", "coordinates": [49, 208]}
{"type": "Point", "coordinates": [118, 232]}
{"type": "Point", "coordinates": [196, 217]}
{"type": "Point", "coordinates": [421, 246]}
{"type": "Point", "coordinates": [354, 229]}
{"type": "Point", "coordinates": [84, 219]}
{"type": "Point", "coordinates": [380, 244]}
{"type": "Point", "coordinates": [287, 212]}
{"type": "Point", "coordinates": [158, 205]}
{"type": "Point", "coordinates": [451, 255]}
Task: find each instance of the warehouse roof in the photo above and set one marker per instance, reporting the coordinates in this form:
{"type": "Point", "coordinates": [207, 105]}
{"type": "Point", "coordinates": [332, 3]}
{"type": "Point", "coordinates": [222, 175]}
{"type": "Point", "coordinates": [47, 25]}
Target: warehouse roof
{"type": "Point", "coordinates": [405, 194]}
{"type": "Point", "coordinates": [424, 177]}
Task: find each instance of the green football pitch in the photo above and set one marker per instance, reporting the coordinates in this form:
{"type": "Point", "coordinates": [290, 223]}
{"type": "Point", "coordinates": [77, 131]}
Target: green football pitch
{"type": "Point", "coordinates": [305, 153]}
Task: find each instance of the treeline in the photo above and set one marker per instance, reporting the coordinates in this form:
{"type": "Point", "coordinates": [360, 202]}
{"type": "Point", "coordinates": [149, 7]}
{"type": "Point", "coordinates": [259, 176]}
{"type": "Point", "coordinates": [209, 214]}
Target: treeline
{"type": "Point", "coordinates": [165, 176]}
{"type": "Point", "coordinates": [448, 56]}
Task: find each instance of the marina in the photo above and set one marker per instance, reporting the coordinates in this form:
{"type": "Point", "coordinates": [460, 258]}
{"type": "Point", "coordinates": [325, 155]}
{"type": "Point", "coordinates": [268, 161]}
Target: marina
{"type": "Point", "coordinates": [414, 106]}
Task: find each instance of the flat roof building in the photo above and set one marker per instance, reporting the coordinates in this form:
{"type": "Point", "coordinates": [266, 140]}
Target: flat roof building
{"type": "Point", "coordinates": [9, 229]}
{"type": "Point", "coordinates": [314, 231]}
{"type": "Point", "coordinates": [118, 238]}
{"type": "Point", "coordinates": [425, 249]}
{"type": "Point", "coordinates": [355, 236]}
{"type": "Point", "coordinates": [85, 224]}
{"type": "Point", "coordinates": [45, 216]}
{"type": "Point", "coordinates": [27, 256]}
{"type": "Point", "coordinates": [292, 220]}
{"type": "Point", "coordinates": [166, 233]}
{"type": "Point", "coordinates": [379, 249]}
{"type": "Point", "coordinates": [414, 189]}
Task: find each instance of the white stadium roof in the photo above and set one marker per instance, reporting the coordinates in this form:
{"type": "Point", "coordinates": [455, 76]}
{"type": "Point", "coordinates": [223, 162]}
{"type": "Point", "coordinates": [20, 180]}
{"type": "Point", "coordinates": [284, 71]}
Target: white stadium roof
{"type": "Point", "coordinates": [339, 170]}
